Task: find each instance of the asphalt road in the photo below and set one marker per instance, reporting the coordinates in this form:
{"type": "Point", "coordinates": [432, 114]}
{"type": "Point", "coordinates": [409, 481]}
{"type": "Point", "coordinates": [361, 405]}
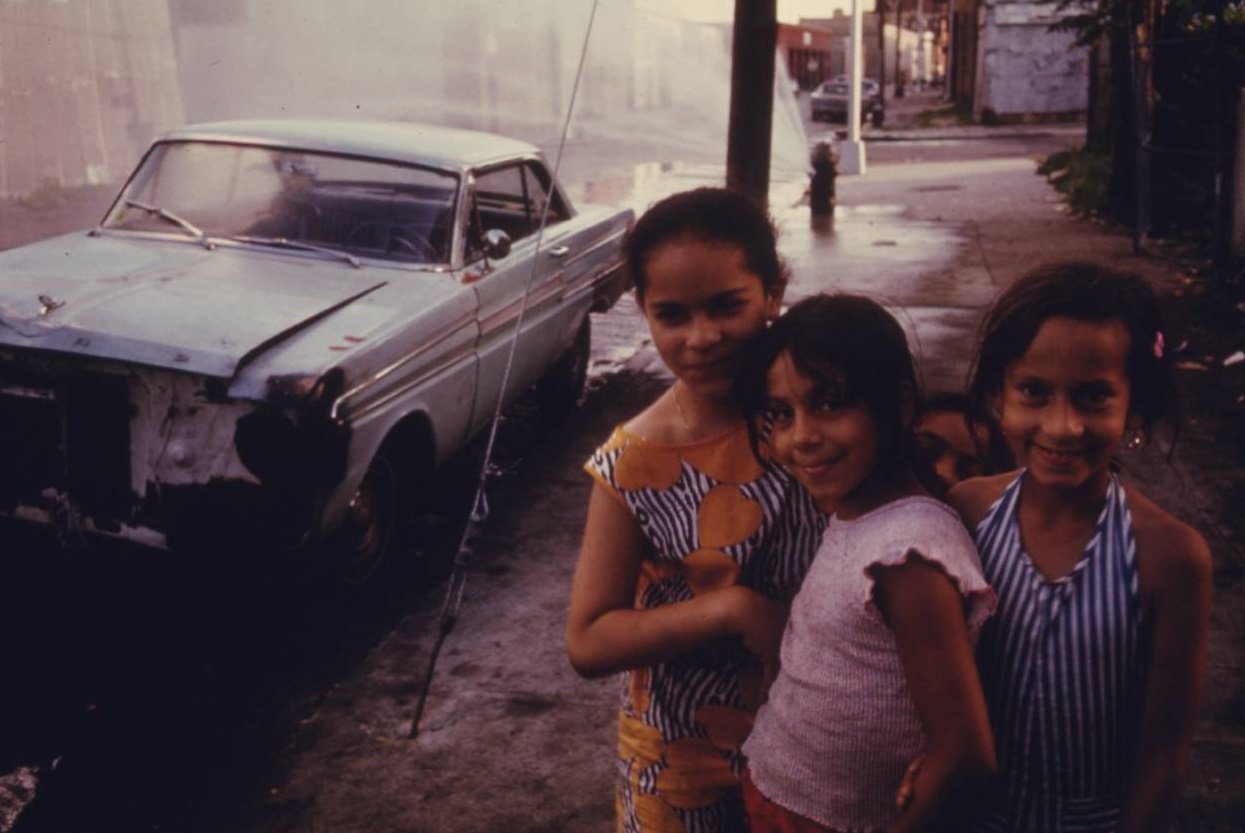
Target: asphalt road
{"type": "Point", "coordinates": [250, 696]}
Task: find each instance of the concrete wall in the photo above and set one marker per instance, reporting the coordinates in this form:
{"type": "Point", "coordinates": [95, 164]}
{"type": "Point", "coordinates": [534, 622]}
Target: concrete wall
{"type": "Point", "coordinates": [86, 84]}
{"type": "Point", "coordinates": [654, 88]}
{"type": "Point", "coordinates": [1022, 68]}
{"type": "Point", "coordinates": [84, 87]}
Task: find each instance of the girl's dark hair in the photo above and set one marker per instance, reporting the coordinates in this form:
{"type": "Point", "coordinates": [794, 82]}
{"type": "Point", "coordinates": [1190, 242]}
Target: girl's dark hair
{"type": "Point", "coordinates": [712, 215]}
{"type": "Point", "coordinates": [1082, 292]}
{"type": "Point", "coordinates": [995, 454]}
{"type": "Point", "coordinates": [847, 340]}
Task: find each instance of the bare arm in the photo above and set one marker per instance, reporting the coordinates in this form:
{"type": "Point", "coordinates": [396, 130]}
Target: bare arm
{"type": "Point", "coordinates": [925, 611]}
{"type": "Point", "coordinates": [606, 633]}
{"type": "Point", "coordinates": [1177, 663]}
{"type": "Point", "coordinates": [972, 497]}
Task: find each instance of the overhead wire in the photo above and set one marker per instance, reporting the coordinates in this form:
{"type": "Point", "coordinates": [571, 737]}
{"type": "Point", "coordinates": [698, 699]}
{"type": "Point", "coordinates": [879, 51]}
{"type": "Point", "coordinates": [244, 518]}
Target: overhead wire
{"type": "Point", "coordinates": [457, 584]}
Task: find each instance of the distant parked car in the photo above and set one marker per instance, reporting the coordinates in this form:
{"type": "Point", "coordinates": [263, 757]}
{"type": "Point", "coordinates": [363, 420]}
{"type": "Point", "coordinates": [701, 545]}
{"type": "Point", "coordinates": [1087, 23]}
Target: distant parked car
{"type": "Point", "coordinates": [830, 101]}
{"type": "Point", "coordinates": [282, 328]}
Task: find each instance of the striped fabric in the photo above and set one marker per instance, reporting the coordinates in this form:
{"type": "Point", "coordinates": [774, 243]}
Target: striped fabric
{"type": "Point", "coordinates": [714, 516]}
{"type": "Point", "coordinates": [1062, 668]}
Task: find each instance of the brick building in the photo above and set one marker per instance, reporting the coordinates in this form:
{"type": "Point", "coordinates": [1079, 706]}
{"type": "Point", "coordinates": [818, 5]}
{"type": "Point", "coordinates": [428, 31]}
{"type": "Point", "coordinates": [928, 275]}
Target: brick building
{"type": "Point", "coordinates": [810, 53]}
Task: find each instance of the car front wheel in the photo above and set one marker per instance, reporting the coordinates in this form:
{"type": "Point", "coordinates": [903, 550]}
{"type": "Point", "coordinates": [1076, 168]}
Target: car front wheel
{"type": "Point", "coordinates": [369, 529]}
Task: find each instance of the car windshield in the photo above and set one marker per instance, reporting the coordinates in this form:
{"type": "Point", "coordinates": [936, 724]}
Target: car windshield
{"type": "Point", "coordinates": [277, 196]}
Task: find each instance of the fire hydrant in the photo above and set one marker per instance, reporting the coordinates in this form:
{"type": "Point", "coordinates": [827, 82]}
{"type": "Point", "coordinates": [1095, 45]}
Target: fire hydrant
{"type": "Point", "coordinates": [825, 163]}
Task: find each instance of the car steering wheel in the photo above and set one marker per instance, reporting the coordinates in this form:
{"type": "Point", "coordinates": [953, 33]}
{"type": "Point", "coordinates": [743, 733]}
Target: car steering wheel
{"type": "Point", "coordinates": [396, 237]}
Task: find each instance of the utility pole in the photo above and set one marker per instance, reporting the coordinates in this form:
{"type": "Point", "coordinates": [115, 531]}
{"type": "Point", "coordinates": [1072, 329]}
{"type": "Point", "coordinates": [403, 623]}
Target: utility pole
{"type": "Point", "coordinates": [852, 152]}
{"type": "Point", "coordinates": [879, 13]}
{"type": "Point", "coordinates": [948, 88]}
{"type": "Point", "coordinates": [899, 81]}
{"type": "Point", "coordinates": [922, 69]}
{"type": "Point", "coordinates": [752, 97]}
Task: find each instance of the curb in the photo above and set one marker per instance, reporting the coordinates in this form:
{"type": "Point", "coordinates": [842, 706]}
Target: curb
{"type": "Point", "coordinates": [936, 134]}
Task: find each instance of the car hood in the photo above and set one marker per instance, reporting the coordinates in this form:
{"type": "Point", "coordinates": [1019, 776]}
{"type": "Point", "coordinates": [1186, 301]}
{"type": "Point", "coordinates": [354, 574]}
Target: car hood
{"type": "Point", "coordinates": [167, 304]}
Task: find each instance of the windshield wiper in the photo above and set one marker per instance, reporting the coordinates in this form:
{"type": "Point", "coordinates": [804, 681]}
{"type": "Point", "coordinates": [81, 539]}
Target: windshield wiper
{"type": "Point", "coordinates": [182, 223]}
{"type": "Point", "coordinates": [286, 243]}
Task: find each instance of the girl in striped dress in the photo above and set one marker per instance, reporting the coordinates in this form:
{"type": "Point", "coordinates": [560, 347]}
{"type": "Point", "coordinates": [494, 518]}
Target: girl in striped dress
{"type": "Point", "coordinates": [692, 545]}
{"type": "Point", "coordinates": [1093, 666]}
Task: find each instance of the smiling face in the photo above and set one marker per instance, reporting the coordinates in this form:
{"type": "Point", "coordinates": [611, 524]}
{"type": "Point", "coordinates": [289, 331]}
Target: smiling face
{"type": "Point", "coordinates": [944, 441]}
{"type": "Point", "coordinates": [702, 306]}
{"type": "Point", "coordinates": [827, 442]}
{"type": "Point", "coordinates": [1064, 405]}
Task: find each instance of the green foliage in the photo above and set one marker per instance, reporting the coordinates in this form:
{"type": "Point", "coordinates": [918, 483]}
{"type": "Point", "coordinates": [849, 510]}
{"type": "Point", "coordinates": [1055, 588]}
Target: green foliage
{"type": "Point", "coordinates": [951, 114]}
{"type": "Point", "coordinates": [1082, 177]}
{"type": "Point", "coordinates": [1087, 26]}
{"type": "Point", "coordinates": [1089, 20]}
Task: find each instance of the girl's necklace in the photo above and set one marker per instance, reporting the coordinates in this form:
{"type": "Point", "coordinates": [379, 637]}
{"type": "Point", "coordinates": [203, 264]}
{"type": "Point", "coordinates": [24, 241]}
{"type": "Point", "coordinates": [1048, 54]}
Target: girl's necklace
{"type": "Point", "coordinates": [710, 424]}
{"type": "Point", "coordinates": [678, 403]}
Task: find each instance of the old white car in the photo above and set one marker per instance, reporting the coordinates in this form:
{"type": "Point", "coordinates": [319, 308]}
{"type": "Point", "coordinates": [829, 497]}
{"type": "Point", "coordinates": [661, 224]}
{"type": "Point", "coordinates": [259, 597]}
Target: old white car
{"type": "Point", "coordinates": [281, 329]}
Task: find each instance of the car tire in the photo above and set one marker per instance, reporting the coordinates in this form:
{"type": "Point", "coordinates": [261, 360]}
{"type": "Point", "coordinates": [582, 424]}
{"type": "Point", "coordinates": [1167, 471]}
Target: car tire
{"type": "Point", "coordinates": [370, 528]}
{"type": "Point", "coordinates": [561, 388]}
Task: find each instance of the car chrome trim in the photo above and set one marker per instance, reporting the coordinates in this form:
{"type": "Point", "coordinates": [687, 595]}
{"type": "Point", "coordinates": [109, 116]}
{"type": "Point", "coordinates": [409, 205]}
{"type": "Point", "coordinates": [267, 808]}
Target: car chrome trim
{"type": "Point", "coordinates": [367, 407]}
{"type": "Point", "coordinates": [510, 312]}
{"type": "Point", "coordinates": [433, 340]}
{"type": "Point", "coordinates": [145, 535]}
{"type": "Point", "coordinates": [21, 392]}
{"type": "Point", "coordinates": [596, 246]}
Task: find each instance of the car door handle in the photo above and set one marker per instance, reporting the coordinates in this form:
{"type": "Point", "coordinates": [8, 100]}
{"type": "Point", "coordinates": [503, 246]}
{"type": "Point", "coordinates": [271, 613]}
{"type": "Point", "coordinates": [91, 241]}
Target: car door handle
{"type": "Point", "coordinates": [559, 251]}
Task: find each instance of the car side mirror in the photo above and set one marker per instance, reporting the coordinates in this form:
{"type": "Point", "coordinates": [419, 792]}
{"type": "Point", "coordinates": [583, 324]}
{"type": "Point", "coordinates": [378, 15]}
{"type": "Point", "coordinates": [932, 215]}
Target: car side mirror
{"type": "Point", "coordinates": [496, 243]}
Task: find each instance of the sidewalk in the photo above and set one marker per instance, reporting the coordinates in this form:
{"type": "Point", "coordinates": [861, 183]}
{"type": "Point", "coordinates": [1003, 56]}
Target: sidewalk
{"type": "Point", "coordinates": [927, 116]}
{"type": "Point", "coordinates": [972, 131]}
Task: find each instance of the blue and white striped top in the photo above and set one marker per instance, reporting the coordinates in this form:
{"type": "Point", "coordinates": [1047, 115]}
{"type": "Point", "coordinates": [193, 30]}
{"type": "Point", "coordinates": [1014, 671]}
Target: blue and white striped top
{"type": "Point", "coordinates": [1062, 666]}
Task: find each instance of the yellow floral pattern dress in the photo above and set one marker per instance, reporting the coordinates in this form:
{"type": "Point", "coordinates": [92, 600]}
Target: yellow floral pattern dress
{"type": "Point", "coordinates": [714, 516]}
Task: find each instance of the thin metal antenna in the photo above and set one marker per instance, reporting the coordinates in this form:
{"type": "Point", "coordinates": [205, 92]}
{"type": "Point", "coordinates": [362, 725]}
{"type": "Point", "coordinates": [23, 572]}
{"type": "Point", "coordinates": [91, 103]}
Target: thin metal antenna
{"type": "Point", "coordinates": [479, 508]}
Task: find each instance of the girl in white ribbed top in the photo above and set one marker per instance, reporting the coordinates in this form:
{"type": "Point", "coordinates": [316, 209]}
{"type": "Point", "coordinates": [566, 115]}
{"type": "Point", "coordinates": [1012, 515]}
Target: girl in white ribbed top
{"type": "Point", "coordinates": [877, 659]}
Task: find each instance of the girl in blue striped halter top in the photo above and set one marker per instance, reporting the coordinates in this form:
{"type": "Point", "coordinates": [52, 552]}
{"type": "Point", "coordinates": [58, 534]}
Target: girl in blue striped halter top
{"type": "Point", "coordinates": [1093, 665]}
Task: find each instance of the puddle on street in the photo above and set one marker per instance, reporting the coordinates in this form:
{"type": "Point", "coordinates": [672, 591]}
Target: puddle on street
{"type": "Point", "coordinates": [877, 250]}
{"type": "Point", "coordinates": [859, 240]}
{"type": "Point", "coordinates": [878, 234]}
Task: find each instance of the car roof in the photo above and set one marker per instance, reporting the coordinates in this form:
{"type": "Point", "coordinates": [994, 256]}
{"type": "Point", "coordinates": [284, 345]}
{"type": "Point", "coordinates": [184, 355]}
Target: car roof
{"type": "Point", "coordinates": [411, 142]}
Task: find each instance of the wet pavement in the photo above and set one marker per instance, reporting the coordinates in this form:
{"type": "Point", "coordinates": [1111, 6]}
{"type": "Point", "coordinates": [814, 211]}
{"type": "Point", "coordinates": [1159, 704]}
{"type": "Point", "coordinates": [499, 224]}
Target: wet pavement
{"type": "Point", "coordinates": [181, 699]}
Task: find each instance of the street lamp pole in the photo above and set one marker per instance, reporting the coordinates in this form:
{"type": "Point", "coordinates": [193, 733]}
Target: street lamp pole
{"type": "Point", "coordinates": [852, 152]}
